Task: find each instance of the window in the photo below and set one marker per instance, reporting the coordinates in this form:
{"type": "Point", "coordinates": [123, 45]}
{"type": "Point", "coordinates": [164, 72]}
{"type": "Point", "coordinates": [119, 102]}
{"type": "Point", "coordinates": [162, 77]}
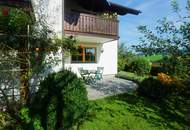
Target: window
{"type": "Point", "coordinates": [84, 55]}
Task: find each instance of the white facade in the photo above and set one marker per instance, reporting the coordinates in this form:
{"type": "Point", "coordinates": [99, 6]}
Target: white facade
{"type": "Point", "coordinates": [106, 57]}
{"type": "Point", "coordinates": [106, 49]}
{"type": "Point", "coordinates": [51, 10]}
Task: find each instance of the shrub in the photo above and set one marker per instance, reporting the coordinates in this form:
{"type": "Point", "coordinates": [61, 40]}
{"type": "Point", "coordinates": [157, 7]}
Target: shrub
{"type": "Point", "coordinates": [176, 66]}
{"type": "Point", "coordinates": [164, 78]}
{"type": "Point", "coordinates": [63, 101]}
{"type": "Point", "coordinates": [124, 57]}
{"type": "Point", "coordinates": [6, 121]}
{"type": "Point", "coordinates": [140, 65]}
{"type": "Point", "coordinates": [151, 88]}
{"type": "Point", "coordinates": [173, 84]}
{"type": "Point", "coordinates": [161, 87]}
{"type": "Point", "coordinates": [121, 63]}
{"type": "Point", "coordinates": [155, 69]}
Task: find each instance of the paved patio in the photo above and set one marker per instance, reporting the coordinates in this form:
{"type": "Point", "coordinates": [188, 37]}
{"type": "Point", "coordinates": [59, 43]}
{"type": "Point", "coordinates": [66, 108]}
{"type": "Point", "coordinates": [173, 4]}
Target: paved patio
{"type": "Point", "coordinates": [109, 86]}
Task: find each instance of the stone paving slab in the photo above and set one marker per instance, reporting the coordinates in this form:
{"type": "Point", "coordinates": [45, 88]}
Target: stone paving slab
{"type": "Point", "coordinates": [110, 86]}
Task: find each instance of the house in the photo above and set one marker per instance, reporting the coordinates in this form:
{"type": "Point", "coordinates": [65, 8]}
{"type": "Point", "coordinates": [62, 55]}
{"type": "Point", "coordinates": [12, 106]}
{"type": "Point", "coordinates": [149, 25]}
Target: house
{"type": "Point", "coordinates": [95, 24]}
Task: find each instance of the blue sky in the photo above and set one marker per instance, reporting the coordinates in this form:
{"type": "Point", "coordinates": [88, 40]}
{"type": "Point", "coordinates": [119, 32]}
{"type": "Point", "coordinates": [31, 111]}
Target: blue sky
{"type": "Point", "coordinates": [152, 11]}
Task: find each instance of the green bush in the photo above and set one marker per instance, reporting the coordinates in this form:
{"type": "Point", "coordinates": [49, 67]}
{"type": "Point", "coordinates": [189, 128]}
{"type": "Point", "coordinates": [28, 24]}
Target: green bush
{"type": "Point", "coordinates": [140, 65]}
{"type": "Point", "coordinates": [21, 121]}
{"type": "Point", "coordinates": [61, 101]}
{"type": "Point", "coordinates": [176, 66]}
{"type": "Point", "coordinates": [158, 89]}
{"type": "Point", "coordinates": [121, 63]}
{"type": "Point", "coordinates": [124, 57]}
{"type": "Point", "coordinates": [151, 88]}
{"type": "Point", "coordinates": [155, 70]}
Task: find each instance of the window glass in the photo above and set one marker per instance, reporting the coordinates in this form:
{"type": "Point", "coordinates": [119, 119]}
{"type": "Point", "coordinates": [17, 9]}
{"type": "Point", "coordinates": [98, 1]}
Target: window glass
{"type": "Point", "coordinates": [85, 55]}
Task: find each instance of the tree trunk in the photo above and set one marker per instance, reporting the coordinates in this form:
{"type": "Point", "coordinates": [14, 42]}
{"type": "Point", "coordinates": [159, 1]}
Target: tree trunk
{"type": "Point", "coordinates": [24, 67]}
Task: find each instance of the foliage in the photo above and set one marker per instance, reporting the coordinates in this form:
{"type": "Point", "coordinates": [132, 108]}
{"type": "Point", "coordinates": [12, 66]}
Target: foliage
{"type": "Point", "coordinates": [112, 16]}
{"type": "Point", "coordinates": [154, 58]}
{"type": "Point", "coordinates": [28, 122]}
{"type": "Point", "coordinates": [28, 53]}
{"type": "Point", "coordinates": [173, 85]}
{"type": "Point", "coordinates": [63, 101]}
{"type": "Point", "coordinates": [27, 57]}
{"type": "Point", "coordinates": [124, 57]}
{"type": "Point", "coordinates": [13, 26]}
{"type": "Point", "coordinates": [140, 65]}
{"type": "Point", "coordinates": [5, 121]}
{"type": "Point", "coordinates": [176, 66]}
{"type": "Point", "coordinates": [132, 112]}
{"type": "Point", "coordinates": [161, 87]}
{"type": "Point", "coordinates": [170, 38]}
{"type": "Point", "coordinates": [151, 88]}
{"type": "Point", "coordinates": [164, 78]}
{"type": "Point", "coordinates": [24, 121]}
{"type": "Point", "coordinates": [155, 69]}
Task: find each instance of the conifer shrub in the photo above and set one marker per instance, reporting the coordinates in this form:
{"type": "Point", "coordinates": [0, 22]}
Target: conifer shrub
{"type": "Point", "coordinates": [61, 101]}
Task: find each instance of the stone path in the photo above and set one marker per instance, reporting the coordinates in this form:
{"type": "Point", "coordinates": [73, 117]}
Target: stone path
{"type": "Point", "coordinates": [109, 86]}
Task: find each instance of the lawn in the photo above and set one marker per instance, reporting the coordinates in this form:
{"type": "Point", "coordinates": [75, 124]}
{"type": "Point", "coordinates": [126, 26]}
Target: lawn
{"type": "Point", "coordinates": [130, 112]}
{"type": "Point", "coordinates": [154, 58]}
{"type": "Point", "coordinates": [130, 76]}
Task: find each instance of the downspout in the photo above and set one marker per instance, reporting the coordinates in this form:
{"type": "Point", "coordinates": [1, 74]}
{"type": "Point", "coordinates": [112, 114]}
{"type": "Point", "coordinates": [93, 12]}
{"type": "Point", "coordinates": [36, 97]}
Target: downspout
{"type": "Point", "coordinates": [63, 34]}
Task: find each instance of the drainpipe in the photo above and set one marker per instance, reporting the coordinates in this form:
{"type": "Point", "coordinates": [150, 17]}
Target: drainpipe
{"type": "Point", "coordinates": [63, 33]}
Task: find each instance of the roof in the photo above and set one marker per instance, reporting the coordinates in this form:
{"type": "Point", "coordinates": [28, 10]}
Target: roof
{"type": "Point", "coordinates": [122, 10]}
{"type": "Point", "coordinates": [106, 6]}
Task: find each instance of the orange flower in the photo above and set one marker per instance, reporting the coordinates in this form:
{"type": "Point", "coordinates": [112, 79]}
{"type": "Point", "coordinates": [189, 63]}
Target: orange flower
{"type": "Point", "coordinates": [164, 78]}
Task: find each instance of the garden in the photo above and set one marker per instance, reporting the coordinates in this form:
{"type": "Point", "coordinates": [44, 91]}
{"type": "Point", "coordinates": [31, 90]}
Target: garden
{"type": "Point", "coordinates": [47, 100]}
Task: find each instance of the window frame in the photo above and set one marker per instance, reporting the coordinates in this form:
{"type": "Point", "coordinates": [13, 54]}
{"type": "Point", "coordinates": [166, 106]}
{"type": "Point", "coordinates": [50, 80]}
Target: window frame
{"type": "Point", "coordinates": [84, 55]}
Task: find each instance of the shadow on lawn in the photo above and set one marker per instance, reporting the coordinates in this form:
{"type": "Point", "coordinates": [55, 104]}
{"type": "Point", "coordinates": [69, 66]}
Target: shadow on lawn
{"type": "Point", "coordinates": [173, 112]}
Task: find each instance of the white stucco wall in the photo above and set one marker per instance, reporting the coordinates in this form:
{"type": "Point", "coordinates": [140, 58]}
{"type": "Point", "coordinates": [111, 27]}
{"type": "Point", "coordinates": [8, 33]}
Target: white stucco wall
{"type": "Point", "coordinates": [52, 13]}
{"type": "Point", "coordinates": [106, 57]}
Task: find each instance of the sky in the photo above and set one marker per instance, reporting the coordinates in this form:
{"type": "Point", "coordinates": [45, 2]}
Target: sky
{"type": "Point", "coordinates": [152, 11]}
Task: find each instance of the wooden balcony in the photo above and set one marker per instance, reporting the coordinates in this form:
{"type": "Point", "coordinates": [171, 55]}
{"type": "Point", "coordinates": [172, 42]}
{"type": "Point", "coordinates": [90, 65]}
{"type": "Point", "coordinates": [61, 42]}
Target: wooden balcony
{"type": "Point", "coordinates": [87, 24]}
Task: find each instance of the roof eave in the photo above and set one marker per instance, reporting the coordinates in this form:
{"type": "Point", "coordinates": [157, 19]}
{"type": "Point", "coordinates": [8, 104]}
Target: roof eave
{"type": "Point", "coordinates": [122, 10]}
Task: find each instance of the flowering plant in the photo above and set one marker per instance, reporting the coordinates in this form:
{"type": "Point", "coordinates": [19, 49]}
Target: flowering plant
{"type": "Point", "coordinates": [164, 78]}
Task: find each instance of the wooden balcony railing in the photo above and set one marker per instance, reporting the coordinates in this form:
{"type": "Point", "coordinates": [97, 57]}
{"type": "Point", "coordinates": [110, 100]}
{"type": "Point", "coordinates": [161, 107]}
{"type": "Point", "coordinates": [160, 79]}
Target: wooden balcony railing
{"type": "Point", "coordinates": [91, 24]}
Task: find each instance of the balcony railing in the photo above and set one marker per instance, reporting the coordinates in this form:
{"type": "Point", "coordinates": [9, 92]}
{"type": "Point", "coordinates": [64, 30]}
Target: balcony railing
{"type": "Point", "coordinates": [91, 24]}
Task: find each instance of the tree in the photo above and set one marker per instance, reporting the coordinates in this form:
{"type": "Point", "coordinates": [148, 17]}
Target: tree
{"type": "Point", "coordinates": [167, 37]}
{"type": "Point", "coordinates": [171, 38]}
{"type": "Point", "coordinates": [124, 57]}
{"type": "Point", "coordinates": [27, 52]}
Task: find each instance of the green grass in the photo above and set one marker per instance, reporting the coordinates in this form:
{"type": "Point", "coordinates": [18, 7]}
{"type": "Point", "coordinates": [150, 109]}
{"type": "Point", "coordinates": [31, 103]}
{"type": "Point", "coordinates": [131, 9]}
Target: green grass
{"type": "Point", "coordinates": [130, 112]}
{"type": "Point", "coordinates": [154, 58]}
{"type": "Point", "coordinates": [130, 76]}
